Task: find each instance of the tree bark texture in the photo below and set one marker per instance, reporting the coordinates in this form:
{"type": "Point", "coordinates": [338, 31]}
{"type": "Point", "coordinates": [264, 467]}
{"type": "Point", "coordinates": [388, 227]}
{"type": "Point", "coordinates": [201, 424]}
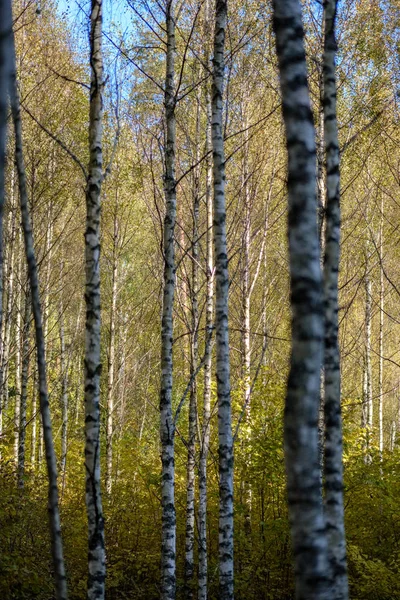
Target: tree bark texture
{"type": "Point", "coordinates": [96, 554]}
{"type": "Point", "coordinates": [194, 359]}
{"type": "Point", "coordinates": [303, 390]}
{"type": "Point", "coordinates": [167, 433]}
{"type": "Point", "coordinates": [225, 441]}
{"type": "Point", "coordinates": [205, 432]}
{"type": "Point", "coordinates": [5, 69]}
{"type": "Point", "coordinates": [381, 322]}
{"type": "Point", "coordinates": [333, 450]}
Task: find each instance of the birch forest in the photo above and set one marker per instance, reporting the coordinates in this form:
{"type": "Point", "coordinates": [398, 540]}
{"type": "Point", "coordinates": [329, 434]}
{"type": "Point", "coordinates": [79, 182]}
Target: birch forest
{"type": "Point", "coordinates": [199, 299]}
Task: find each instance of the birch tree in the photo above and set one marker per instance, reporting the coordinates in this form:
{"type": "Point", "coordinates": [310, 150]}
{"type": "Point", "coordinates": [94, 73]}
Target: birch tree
{"type": "Point", "coordinates": [64, 385]}
{"type": "Point", "coordinates": [111, 356]}
{"type": "Point", "coordinates": [5, 66]}
{"type": "Point", "coordinates": [24, 388]}
{"type": "Point", "coordinates": [225, 442]}
{"type": "Point", "coordinates": [303, 387]}
{"type": "Point", "coordinates": [168, 533]}
{"type": "Point", "coordinates": [381, 328]}
{"type": "Point", "coordinates": [333, 467]}
{"type": "Point", "coordinates": [9, 272]}
{"type": "Point", "coordinates": [194, 359]}
{"type": "Point", "coordinates": [53, 508]}
{"type": "Point", "coordinates": [96, 555]}
{"type": "Point", "coordinates": [205, 433]}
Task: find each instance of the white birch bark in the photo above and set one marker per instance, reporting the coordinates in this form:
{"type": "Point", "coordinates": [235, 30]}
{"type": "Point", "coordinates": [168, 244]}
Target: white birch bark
{"type": "Point", "coordinates": [17, 341]}
{"type": "Point", "coordinates": [333, 466]}
{"type": "Point", "coordinates": [34, 421]}
{"type": "Point", "coordinates": [393, 429]}
{"type": "Point", "coordinates": [381, 323]}
{"type": "Point", "coordinates": [194, 359]}
{"type": "Point", "coordinates": [246, 273]}
{"type": "Point", "coordinates": [168, 533]}
{"type": "Point", "coordinates": [368, 364]}
{"type": "Point", "coordinates": [64, 386]}
{"type": "Point", "coordinates": [53, 508]}
{"type": "Point", "coordinates": [96, 555]}
{"type": "Point", "coordinates": [205, 433]}
{"type": "Point", "coordinates": [364, 403]}
{"type": "Point", "coordinates": [225, 442]}
{"type": "Point", "coordinates": [122, 374]}
{"type": "Point", "coordinates": [5, 67]}
{"type": "Point", "coordinates": [111, 360]}
{"type": "Point", "coordinates": [12, 250]}
{"type": "Point", "coordinates": [24, 388]}
{"type": "Point", "coordinates": [303, 390]}
{"type": "Point", "coordinates": [246, 295]}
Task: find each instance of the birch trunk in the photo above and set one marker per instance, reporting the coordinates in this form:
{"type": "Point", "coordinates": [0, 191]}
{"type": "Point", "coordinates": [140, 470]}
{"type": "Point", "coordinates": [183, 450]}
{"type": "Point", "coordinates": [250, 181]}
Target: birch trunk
{"type": "Point", "coordinates": [225, 442]}
{"type": "Point", "coordinates": [393, 428]}
{"type": "Point", "coordinates": [368, 367]}
{"type": "Point", "coordinates": [111, 361]}
{"type": "Point", "coordinates": [122, 374]}
{"type": "Point", "coordinates": [17, 387]}
{"type": "Point", "coordinates": [246, 273]}
{"type": "Point", "coordinates": [333, 466]}
{"type": "Point", "coordinates": [12, 250]}
{"type": "Point", "coordinates": [34, 422]}
{"type": "Point", "coordinates": [64, 387]}
{"type": "Point", "coordinates": [5, 67]}
{"type": "Point", "coordinates": [54, 515]}
{"type": "Point", "coordinates": [381, 318]}
{"type": "Point", "coordinates": [46, 296]}
{"type": "Point", "coordinates": [168, 533]}
{"type": "Point", "coordinates": [321, 200]}
{"type": "Point", "coordinates": [24, 389]}
{"type": "Point", "coordinates": [246, 294]}
{"type": "Point", "coordinates": [194, 359]}
{"type": "Point", "coordinates": [205, 434]}
{"type": "Point", "coordinates": [303, 390]}
{"type": "Point", "coordinates": [96, 555]}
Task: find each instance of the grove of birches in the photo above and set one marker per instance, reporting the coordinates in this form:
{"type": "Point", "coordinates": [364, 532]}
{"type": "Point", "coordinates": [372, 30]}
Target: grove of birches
{"type": "Point", "coordinates": [199, 299]}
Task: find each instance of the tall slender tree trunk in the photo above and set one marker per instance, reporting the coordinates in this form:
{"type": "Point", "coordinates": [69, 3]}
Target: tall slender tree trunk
{"type": "Point", "coordinates": [34, 421]}
{"type": "Point", "coordinates": [246, 302]}
{"type": "Point", "coordinates": [194, 359]}
{"type": "Point", "coordinates": [368, 365]}
{"type": "Point", "coordinates": [46, 295]}
{"type": "Point", "coordinates": [333, 466]}
{"type": "Point", "coordinates": [225, 441]}
{"type": "Point", "coordinates": [168, 533]}
{"type": "Point", "coordinates": [5, 69]}
{"type": "Point", "coordinates": [205, 433]}
{"type": "Point", "coordinates": [46, 311]}
{"type": "Point", "coordinates": [246, 349]}
{"type": "Point", "coordinates": [364, 404]}
{"type": "Point", "coordinates": [10, 278]}
{"type": "Point", "coordinates": [24, 388]}
{"type": "Point", "coordinates": [381, 321]}
{"type": "Point", "coordinates": [303, 390]}
{"type": "Point", "coordinates": [321, 200]}
{"type": "Point", "coordinates": [96, 555]}
{"type": "Point", "coordinates": [17, 387]}
{"type": "Point", "coordinates": [122, 374]}
{"type": "Point", "coordinates": [53, 508]}
{"type": "Point", "coordinates": [64, 385]}
{"type": "Point", "coordinates": [111, 360]}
